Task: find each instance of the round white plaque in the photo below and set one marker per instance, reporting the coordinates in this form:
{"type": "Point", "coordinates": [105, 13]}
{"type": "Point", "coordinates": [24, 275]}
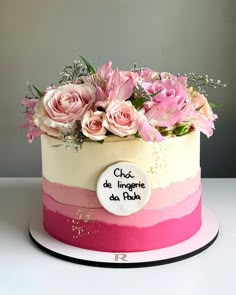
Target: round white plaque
{"type": "Point", "coordinates": [123, 188]}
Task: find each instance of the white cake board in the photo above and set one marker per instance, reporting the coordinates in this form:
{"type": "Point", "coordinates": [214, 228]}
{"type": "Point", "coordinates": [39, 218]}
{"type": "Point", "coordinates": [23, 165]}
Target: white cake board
{"type": "Point", "coordinates": [204, 238]}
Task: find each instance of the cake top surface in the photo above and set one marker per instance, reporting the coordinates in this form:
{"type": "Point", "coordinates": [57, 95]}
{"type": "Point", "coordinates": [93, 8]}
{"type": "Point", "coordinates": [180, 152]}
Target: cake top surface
{"type": "Point", "coordinates": [105, 103]}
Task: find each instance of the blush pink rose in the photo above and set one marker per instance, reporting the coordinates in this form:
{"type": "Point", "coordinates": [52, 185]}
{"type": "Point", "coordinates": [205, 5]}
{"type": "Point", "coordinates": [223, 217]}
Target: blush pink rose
{"type": "Point", "coordinates": [121, 118]}
{"type": "Point", "coordinates": [92, 125]}
{"type": "Point", "coordinates": [46, 124]}
{"type": "Point", "coordinates": [69, 102]}
{"type": "Point", "coordinates": [169, 87]}
{"type": "Point", "coordinates": [61, 107]}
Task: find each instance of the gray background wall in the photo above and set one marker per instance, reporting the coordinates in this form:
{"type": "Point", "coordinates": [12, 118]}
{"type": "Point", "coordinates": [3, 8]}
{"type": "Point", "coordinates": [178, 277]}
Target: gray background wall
{"type": "Point", "coordinates": [39, 37]}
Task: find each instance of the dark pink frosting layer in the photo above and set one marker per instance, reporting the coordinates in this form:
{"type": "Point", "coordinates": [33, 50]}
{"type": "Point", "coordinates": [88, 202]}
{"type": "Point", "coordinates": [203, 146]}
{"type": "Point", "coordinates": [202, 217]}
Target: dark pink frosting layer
{"type": "Point", "coordinates": [101, 236]}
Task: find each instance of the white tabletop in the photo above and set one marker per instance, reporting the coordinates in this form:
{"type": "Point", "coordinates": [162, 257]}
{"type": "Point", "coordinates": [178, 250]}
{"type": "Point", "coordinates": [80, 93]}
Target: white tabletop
{"type": "Point", "coordinates": [25, 269]}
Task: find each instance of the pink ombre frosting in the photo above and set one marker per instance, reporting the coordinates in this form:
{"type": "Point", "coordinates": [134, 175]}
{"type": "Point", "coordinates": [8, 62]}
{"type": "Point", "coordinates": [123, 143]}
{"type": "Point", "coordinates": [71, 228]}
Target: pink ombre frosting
{"type": "Point", "coordinates": [160, 198]}
{"type": "Point", "coordinates": [97, 229]}
{"type": "Point", "coordinates": [143, 218]}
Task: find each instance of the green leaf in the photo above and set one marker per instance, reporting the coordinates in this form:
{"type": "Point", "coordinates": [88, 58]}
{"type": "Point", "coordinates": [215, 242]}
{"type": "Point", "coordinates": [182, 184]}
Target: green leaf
{"type": "Point", "coordinates": [215, 105]}
{"type": "Point", "coordinates": [100, 141]}
{"type": "Point", "coordinates": [90, 68]}
{"type": "Point", "coordinates": [40, 94]}
{"type": "Point", "coordinates": [182, 129]}
{"type": "Point", "coordinates": [155, 93]}
{"type": "Point", "coordinates": [165, 131]}
{"type": "Point", "coordinates": [137, 103]}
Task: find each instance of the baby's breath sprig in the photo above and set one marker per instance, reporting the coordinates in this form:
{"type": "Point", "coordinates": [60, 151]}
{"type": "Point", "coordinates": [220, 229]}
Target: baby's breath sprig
{"type": "Point", "coordinates": [197, 82]}
{"type": "Point", "coordinates": [139, 91]}
{"type": "Point", "coordinates": [72, 138]}
{"type": "Point", "coordinates": [72, 73]}
{"type": "Point", "coordinates": [140, 96]}
{"type": "Point", "coordinates": [135, 69]}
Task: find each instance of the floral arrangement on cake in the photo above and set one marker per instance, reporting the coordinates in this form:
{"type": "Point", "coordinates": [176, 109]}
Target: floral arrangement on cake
{"type": "Point", "coordinates": [92, 104]}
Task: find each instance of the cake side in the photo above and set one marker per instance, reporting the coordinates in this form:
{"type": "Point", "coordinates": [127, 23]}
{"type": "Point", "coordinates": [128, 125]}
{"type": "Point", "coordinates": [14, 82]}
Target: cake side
{"type": "Point", "coordinates": [172, 160]}
{"type": "Point", "coordinates": [74, 215]}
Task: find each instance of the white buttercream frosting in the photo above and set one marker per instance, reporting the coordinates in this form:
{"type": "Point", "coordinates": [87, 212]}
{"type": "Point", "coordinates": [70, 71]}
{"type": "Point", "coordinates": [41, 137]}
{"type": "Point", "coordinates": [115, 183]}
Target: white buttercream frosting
{"type": "Point", "coordinates": [172, 160]}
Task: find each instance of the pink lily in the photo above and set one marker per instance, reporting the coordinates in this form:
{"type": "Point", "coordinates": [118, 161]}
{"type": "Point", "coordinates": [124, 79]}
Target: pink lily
{"type": "Point", "coordinates": [147, 131]}
{"type": "Point", "coordinates": [168, 112]}
{"type": "Point", "coordinates": [33, 131]}
{"type": "Point", "coordinates": [119, 84]}
{"type": "Point", "coordinates": [201, 123]}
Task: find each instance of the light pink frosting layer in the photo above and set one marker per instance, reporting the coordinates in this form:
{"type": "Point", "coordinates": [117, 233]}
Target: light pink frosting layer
{"type": "Point", "coordinates": [143, 218]}
{"type": "Point", "coordinates": [160, 197]}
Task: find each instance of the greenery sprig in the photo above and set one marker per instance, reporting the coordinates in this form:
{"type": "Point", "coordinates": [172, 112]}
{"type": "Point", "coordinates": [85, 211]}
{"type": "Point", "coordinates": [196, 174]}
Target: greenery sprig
{"type": "Point", "coordinates": [33, 92]}
{"type": "Point", "coordinates": [73, 73]}
{"type": "Point", "coordinates": [198, 82]}
{"type": "Point", "coordinates": [135, 69]}
{"type": "Point", "coordinates": [140, 96]}
{"type": "Point", "coordinates": [72, 138]}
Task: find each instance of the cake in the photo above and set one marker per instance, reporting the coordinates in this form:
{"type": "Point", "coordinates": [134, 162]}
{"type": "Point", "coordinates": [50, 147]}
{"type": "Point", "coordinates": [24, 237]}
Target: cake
{"type": "Point", "coordinates": [121, 156]}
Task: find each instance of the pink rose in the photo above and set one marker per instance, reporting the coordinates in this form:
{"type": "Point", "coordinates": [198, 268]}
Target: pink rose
{"type": "Point", "coordinates": [61, 107]}
{"type": "Point", "coordinates": [170, 104]}
{"type": "Point", "coordinates": [92, 125]}
{"type": "Point", "coordinates": [169, 87]}
{"type": "Point", "coordinates": [121, 118]}
{"type": "Point", "coordinates": [200, 103]}
{"type": "Point", "coordinates": [46, 124]}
